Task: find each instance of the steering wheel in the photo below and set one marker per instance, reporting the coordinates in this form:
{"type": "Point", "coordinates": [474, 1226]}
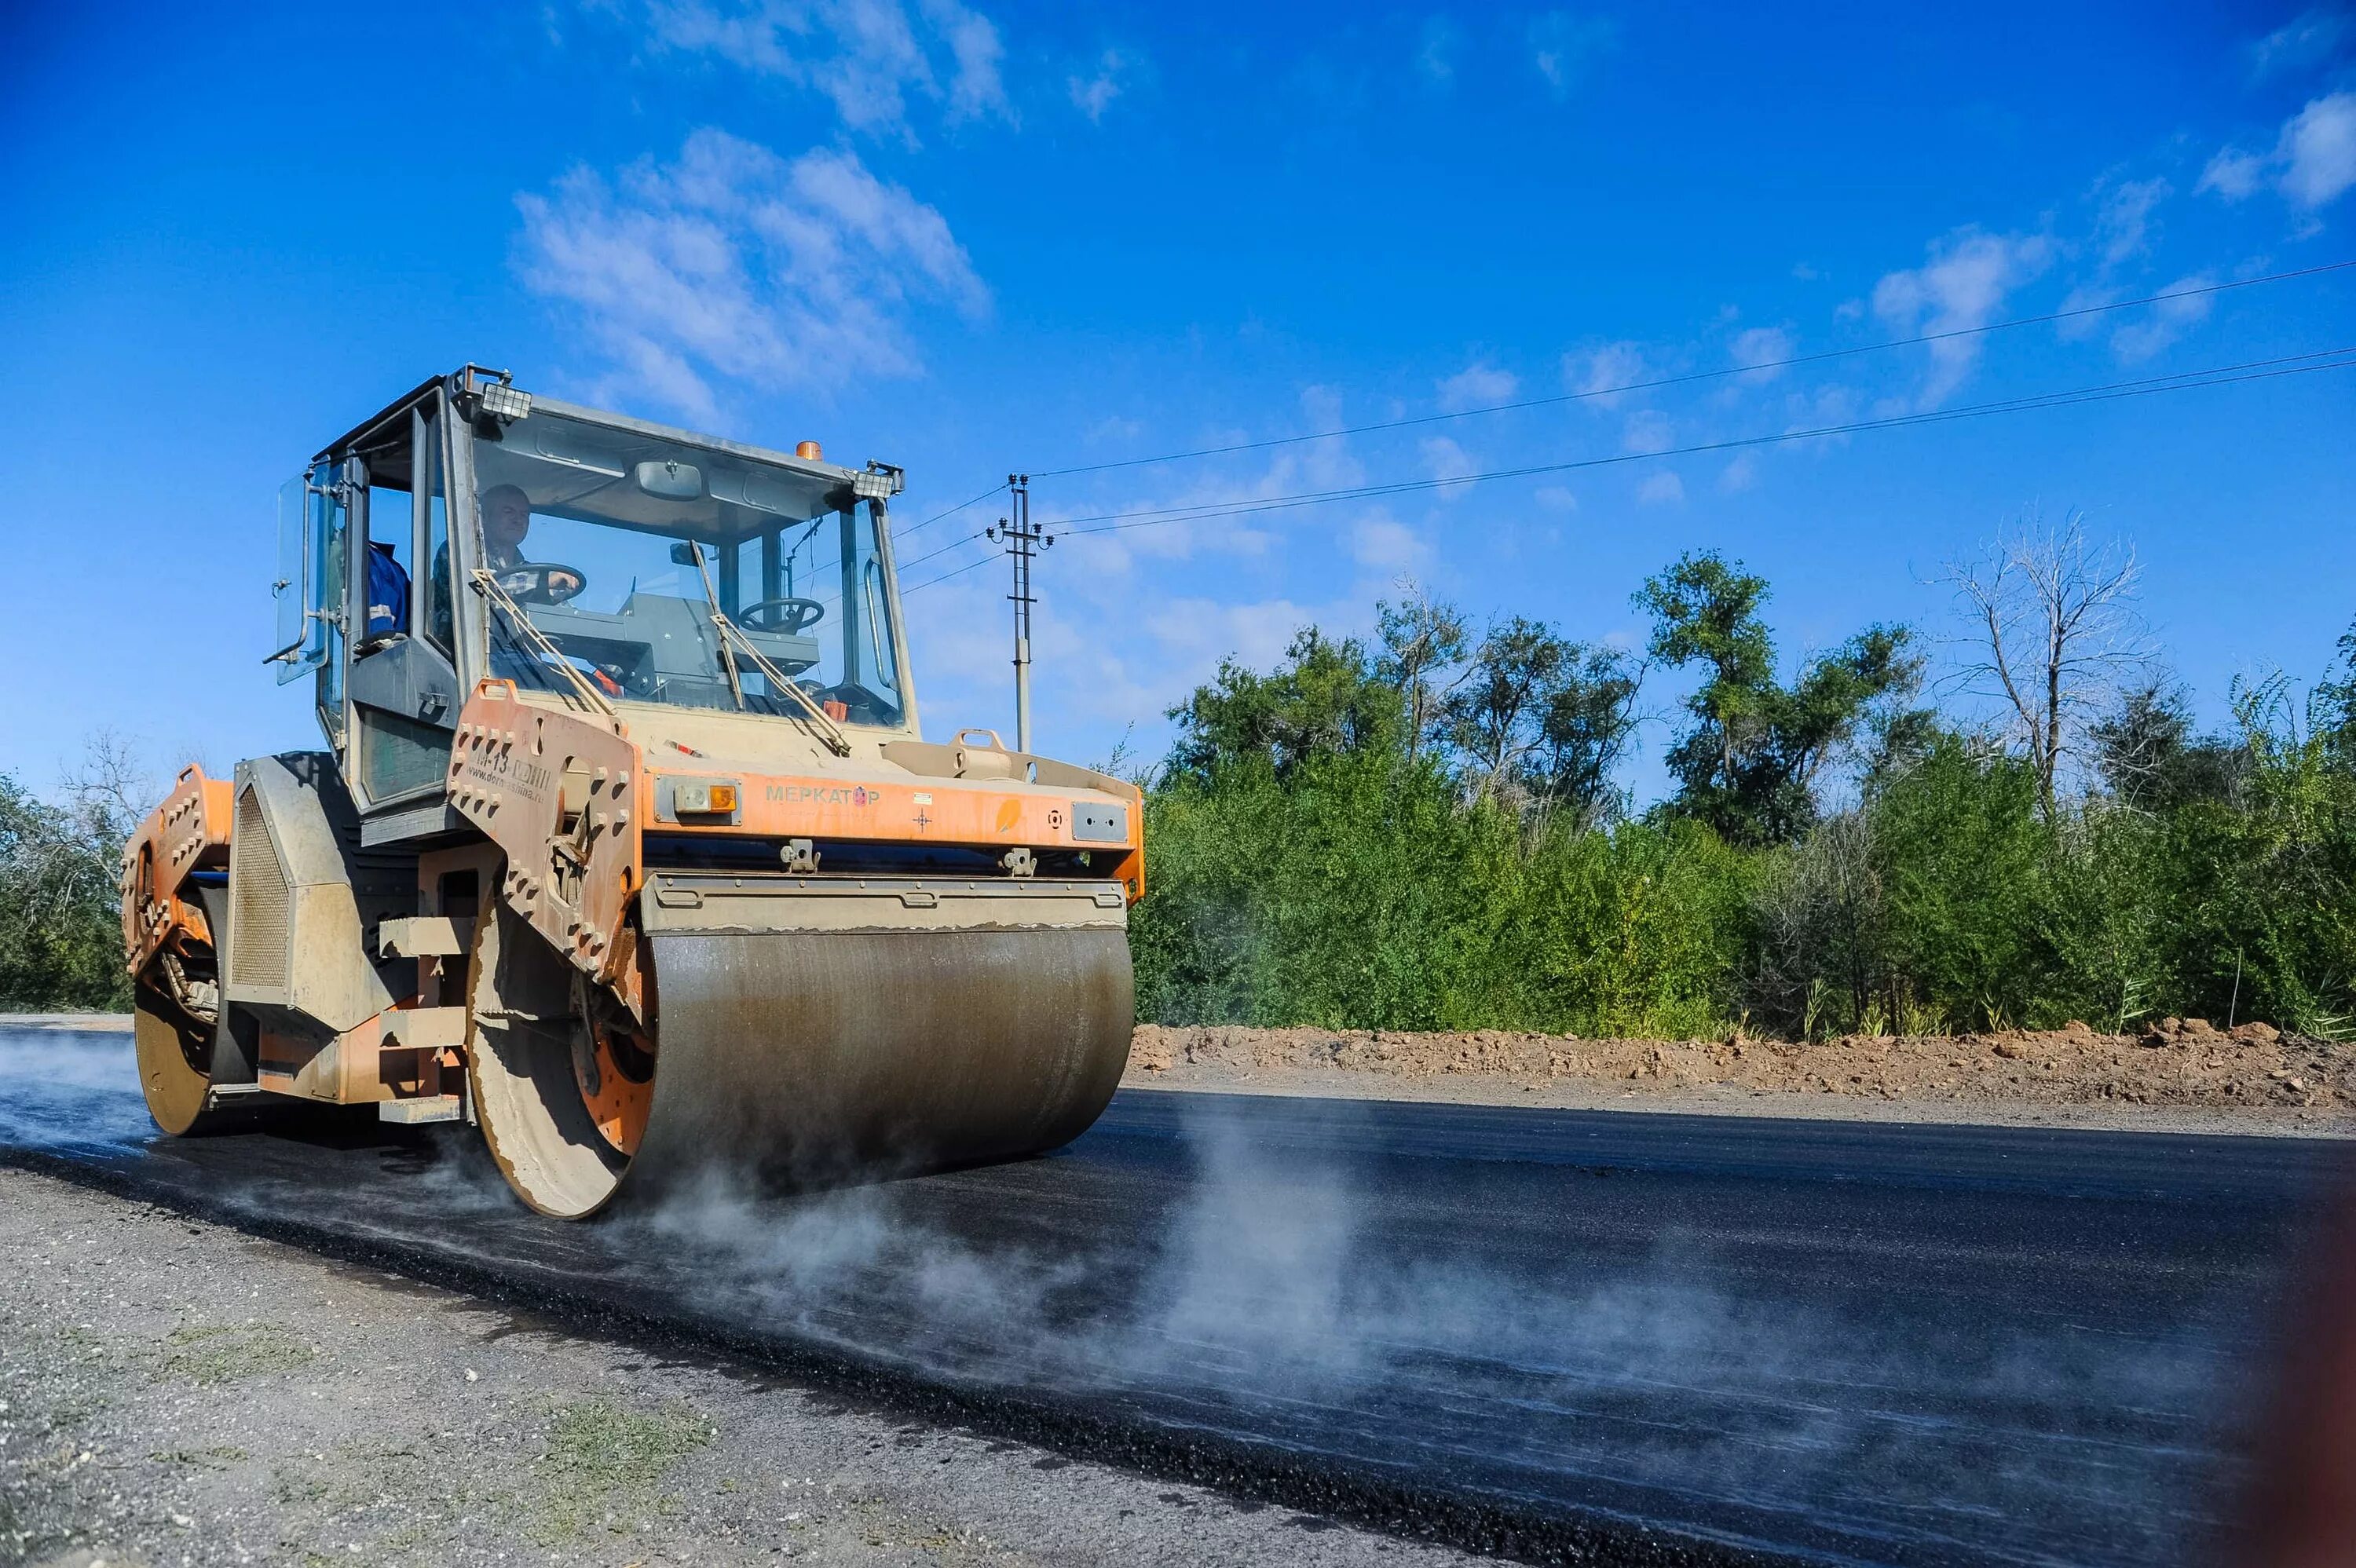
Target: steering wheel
{"type": "Point", "coordinates": [863, 704]}
{"type": "Point", "coordinates": [541, 583]}
{"type": "Point", "coordinates": [786, 617]}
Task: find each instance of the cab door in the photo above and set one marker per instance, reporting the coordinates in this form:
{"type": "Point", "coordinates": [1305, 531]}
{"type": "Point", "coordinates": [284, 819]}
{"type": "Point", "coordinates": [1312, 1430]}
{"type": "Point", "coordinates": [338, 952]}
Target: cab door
{"type": "Point", "coordinates": [313, 526]}
{"type": "Point", "coordinates": [403, 685]}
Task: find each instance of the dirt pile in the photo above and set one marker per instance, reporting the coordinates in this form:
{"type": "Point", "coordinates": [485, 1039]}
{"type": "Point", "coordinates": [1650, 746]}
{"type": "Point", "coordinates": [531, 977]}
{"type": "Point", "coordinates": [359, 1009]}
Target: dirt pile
{"type": "Point", "coordinates": [2176, 1062]}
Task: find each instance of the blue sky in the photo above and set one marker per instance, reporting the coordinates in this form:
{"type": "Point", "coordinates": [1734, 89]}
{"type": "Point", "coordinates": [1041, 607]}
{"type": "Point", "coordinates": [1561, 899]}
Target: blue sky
{"type": "Point", "coordinates": [975, 238]}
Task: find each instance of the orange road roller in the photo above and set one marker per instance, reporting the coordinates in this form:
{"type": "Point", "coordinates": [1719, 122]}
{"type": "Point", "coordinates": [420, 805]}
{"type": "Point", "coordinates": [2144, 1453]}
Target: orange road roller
{"type": "Point", "coordinates": [624, 846]}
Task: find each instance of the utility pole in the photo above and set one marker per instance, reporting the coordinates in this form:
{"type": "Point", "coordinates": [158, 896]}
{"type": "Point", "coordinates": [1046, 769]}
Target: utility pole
{"type": "Point", "coordinates": [1022, 539]}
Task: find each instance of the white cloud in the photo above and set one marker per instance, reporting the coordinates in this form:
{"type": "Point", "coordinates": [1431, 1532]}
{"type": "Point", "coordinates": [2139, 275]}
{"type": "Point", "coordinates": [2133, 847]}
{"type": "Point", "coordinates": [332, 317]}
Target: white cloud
{"type": "Point", "coordinates": [736, 262]}
{"type": "Point", "coordinates": [1435, 58]}
{"type": "Point", "coordinates": [1740, 475]}
{"type": "Point", "coordinates": [1092, 95]}
{"type": "Point", "coordinates": [1594, 373]}
{"type": "Point", "coordinates": [2233, 174]}
{"type": "Point", "coordinates": [1564, 45]}
{"type": "Point", "coordinates": [2313, 163]}
{"type": "Point", "coordinates": [1961, 287]}
{"type": "Point", "coordinates": [1324, 465]}
{"type": "Point", "coordinates": [2308, 39]}
{"type": "Point", "coordinates": [2319, 151]}
{"type": "Point", "coordinates": [976, 89]}
{"type": "Point", "coordinates": [1195, 633]}
{"type": "Point", "coordinates": [1648, 430]}
{"type": "Point", "coordinates": [1382, 544]}
{"type": "Point", "coordinates": [1556, 498]}
{"type": "Point", "coordinates": [1443, 459]}
{"type": "Point", "coordinates": [1757, 350]}
{"type": "Point", "coordinates": [1476, 385]}
{"type": "Point", "coordinates": [867, 56]}
{"type": "Point", "coordinates": [2164, 323]}
{"type": "Point", "coordinates": [2123, 224]}
{"type": "Point", "coordinates": [1661, 489]}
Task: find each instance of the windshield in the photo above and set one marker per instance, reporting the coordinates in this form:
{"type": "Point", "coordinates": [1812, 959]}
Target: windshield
{"type": "Point", "coordinates": [607, 541]}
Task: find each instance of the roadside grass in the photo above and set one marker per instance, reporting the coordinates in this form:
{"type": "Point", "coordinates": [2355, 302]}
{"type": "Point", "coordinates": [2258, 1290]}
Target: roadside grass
{"type": "Point", "coordinates": [211, 1355]}
{"type": "Point", "coordinates": [604, 1463]}
{"type": "Point", "coordinates": [220, 1457]}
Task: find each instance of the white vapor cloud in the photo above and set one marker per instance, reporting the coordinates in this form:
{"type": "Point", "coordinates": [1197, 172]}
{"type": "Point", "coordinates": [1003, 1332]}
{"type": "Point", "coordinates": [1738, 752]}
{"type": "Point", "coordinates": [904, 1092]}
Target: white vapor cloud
{"type": "Point", "coordinates": [2233, 174]}
{"type": "Point", "coordinates": [1592, 373]}
{"type": "Point", "coordinates": [2318, 150]}
{"type": "Point", "coordinates": [2123, 223]}
{"type": "Point", "coordinates": [1648, 430]}
{"type": "Point", "coordinates": [1476, 385]}
{"type": "Point", "coordinates": [1564, 45]}
{"type": "Point", "coordinates": [2164, 323]}
{"type": "Point", "coordinates": [868, 56]}
{"type": "Point", "coordinates": [1759, 347]}
{"type": "Point", "coordinates": [1436, 57]}
{"type": "Point", "coordinates": [1963, 285]}
{"type": "Point", "coordinates": [1661, 489]}
{"type": "Point", "coordinates": [1443, 459]}
{"type": "Point", "coordinates": [733, 261]}
{"type": "Point", "coordinates": [1381, 543]}
{"type": "Point", "coordinates": [2310, 38]}
{"type": "Point", "coordinates": [1092, 95]}
{"type": "Point", "coordinates": [2313, 163]}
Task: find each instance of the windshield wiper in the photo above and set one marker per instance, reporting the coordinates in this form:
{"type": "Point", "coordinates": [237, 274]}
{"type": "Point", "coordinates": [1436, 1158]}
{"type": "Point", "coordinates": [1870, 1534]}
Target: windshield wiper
{"type": "Point", "coordinates": [732, 634]}
{"type": "Point", "coordinates": [538, 640]}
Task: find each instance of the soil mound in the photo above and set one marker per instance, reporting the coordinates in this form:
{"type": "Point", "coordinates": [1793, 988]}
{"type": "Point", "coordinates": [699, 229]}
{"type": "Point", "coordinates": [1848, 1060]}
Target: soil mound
{"type": "Point", "coordinates": [2176, 1062]}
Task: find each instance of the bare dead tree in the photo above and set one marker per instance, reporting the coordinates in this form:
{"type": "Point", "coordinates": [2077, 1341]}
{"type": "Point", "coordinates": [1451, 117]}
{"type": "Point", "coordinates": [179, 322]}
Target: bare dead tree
{"type": "Point", "coordinates": [109, 788]}
{"type": "Point", "coordinates": [2054, 617]}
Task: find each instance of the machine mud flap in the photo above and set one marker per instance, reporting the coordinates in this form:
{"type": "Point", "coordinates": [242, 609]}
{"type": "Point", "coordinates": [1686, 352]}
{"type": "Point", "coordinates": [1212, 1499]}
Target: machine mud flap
{"type": "Point", "coordinates": [815, 1031]}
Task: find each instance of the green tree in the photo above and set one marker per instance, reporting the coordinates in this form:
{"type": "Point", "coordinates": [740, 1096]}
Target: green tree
{"type": "Point", "coordinates": [1749, 763]}
{"type": "Point", "coordinates": [61, 927]}
{"type": "Point", "coordinates": [2148, 756]}
{"type": "Point", "coordinates": [1325, 698]}
{"type": "Point", "coordinates": [1424, 643]}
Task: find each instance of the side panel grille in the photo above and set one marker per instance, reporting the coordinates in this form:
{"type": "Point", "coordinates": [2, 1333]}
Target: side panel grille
{"type": "Point", "coordinates": [258, 899]}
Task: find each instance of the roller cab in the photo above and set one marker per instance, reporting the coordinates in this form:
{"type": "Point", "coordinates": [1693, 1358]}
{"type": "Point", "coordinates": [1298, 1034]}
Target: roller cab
{"type": "Point", "coordinates": [625, 847]}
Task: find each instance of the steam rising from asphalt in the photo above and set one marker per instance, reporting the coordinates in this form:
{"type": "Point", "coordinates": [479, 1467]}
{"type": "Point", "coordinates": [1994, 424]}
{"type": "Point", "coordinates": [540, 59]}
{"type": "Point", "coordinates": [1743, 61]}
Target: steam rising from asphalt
{"type": "Point", "coordinates": [1289, 1295]}
{"type": "Point", "coordinates": [71, 1089]}
{"type": "Point", "coordinates": [1271, 1302]}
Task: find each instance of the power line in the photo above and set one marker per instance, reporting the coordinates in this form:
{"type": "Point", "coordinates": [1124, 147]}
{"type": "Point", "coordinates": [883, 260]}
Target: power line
{"type": "Point", "coordinates": [1830, 354]}
{"type": "Point", "coordinates": [919, 528]}
{"type": "Point", "coordinates": [2223, 375]}
{"type": "Point", "coordinates": [929, 555]}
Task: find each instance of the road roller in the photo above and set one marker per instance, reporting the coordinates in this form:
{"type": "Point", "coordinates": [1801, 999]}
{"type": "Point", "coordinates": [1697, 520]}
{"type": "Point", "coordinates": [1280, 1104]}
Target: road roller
{"type": "Point", "coordinates": [624, 846]}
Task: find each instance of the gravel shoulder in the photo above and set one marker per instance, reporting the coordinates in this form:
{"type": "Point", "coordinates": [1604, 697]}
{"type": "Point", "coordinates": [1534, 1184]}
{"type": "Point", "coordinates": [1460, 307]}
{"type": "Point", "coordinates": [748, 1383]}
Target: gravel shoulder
{"type": "Point", "coordinates": [176, 1392]}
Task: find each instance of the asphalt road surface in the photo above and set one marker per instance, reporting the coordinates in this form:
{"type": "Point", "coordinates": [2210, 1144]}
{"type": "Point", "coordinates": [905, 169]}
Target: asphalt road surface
{"type": "Point", "coordinates": [1646, 1337]}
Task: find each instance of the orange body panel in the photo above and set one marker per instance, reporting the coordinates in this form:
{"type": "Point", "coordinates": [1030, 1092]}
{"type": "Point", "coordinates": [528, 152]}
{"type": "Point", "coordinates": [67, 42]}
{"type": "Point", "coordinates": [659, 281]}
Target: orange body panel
{"type": "Point", "coordinates": [186, 834]}
{"type": "Point", "coordinates": [922, 811]}
{"type": "Point", "coordinates": [568, 798]}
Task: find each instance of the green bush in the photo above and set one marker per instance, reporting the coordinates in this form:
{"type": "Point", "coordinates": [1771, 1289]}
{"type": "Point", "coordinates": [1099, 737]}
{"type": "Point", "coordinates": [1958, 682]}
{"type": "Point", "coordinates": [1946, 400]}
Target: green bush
{"type": "Point", "coordinates": [1328, 873]}
{"type": "Point", "coordinates": [60, 929]}
{"type": "Point", "coordinates": [1361, 892]}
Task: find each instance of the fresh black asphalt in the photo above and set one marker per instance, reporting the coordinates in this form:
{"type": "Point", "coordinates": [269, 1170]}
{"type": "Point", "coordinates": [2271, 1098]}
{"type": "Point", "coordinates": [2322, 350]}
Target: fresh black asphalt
{"type": "Point", "coordinates": [1553, 1334]}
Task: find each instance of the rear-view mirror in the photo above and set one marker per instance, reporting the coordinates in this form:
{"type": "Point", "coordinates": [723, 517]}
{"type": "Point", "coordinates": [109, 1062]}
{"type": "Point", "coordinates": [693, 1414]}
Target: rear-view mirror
{"type": "Point", "coordinates": [684, 554]}
{"type": "Point", "coordinates": [670, 481]}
